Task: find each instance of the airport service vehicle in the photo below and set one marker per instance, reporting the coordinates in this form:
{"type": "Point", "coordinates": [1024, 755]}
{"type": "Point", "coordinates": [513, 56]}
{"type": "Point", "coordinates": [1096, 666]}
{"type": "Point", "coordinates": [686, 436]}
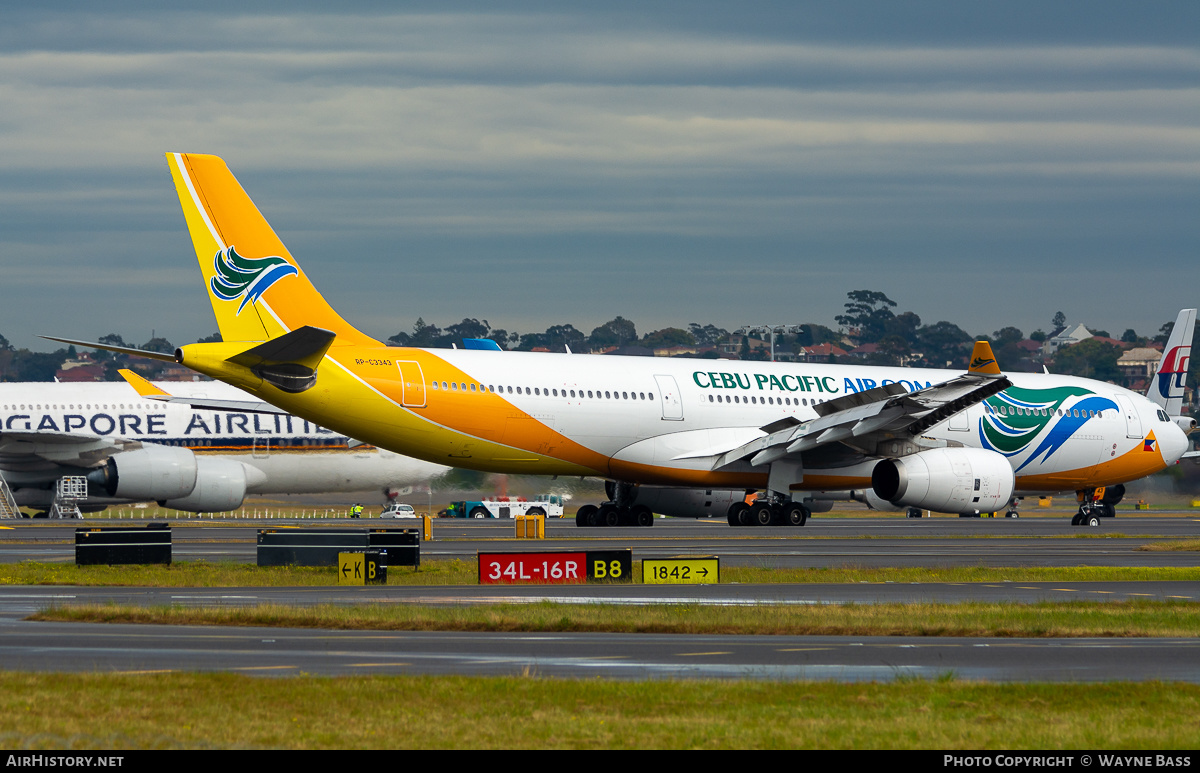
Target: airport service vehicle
{"type": "Point", "coordinates": [931, 439]}
{"type": "Point", "coordinates": [549, 505]}
{"type": "Point", "coordinates": [134, 448]}
{"type": "Point", "coordinates": [398, 510]}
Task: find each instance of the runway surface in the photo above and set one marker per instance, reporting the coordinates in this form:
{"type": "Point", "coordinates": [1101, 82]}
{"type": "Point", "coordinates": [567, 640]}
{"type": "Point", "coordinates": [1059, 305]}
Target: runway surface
{"type": "Point", "coordinates": [824, 542]}
{"type": "Point", "coordinates": [291, 652]}
{"type": "Point", "coordinates": [833, 542]}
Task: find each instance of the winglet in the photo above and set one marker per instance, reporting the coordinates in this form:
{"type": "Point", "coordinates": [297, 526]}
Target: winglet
{"type": "Point", "coordinates": [983, 362]}
{"type": "Point", "coordinates": [142, 386]}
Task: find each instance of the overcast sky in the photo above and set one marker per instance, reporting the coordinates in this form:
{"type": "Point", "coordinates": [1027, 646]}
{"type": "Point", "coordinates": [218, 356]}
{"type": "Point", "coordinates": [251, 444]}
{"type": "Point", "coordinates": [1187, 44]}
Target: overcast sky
{"type": "Point", "coordinates": [534, 164]}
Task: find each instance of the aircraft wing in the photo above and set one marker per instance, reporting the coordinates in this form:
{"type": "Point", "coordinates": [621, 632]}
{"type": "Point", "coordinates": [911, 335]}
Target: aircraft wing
{"type": "Point", "coordinates": [38, 450]}
{"type": "Point", "coordinates": [864, 418]}
{"type": "Point", "coordinates": [150, 392]}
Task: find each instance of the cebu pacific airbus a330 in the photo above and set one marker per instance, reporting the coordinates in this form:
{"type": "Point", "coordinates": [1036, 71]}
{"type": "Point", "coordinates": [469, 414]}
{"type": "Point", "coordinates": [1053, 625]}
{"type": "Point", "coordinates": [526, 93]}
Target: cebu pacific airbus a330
{"type": "Point", "coordinates": [666, 433]}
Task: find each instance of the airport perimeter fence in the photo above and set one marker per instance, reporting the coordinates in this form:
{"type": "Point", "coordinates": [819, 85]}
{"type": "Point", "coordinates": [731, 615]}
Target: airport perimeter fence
{"type": "Point", "coordinates": [242, 514]}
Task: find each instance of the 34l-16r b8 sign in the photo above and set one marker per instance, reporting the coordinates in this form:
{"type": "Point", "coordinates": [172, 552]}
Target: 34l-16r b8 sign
{"type": "Point", "coordinates": [556, 568]}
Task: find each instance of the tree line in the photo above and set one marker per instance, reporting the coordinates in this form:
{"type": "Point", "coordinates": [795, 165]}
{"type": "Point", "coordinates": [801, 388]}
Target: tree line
{"type": "Point", "coordinates": [869, 317]}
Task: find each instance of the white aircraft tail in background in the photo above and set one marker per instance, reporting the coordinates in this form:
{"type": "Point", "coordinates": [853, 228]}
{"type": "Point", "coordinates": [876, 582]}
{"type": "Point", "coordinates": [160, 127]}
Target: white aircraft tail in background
{"type": "Point", "coordinates": [1169, 381]}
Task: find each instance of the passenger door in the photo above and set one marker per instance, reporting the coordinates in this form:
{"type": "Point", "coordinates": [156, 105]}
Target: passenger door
{"type": "Point", "coordinates": [412, 382]}
{"type": "Point", "coordinates": [668, 392]}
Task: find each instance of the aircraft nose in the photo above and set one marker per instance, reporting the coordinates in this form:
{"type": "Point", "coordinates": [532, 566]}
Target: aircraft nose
{"type": "Point", "coordinates": [1173, 441]}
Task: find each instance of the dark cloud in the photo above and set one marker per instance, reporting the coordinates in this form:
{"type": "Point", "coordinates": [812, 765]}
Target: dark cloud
{"type": "Point", "coordinates": [989, 165]}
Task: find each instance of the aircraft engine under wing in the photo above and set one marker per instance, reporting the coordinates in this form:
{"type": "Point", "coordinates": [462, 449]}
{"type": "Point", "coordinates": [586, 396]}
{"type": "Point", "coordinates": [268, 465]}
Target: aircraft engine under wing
{"type": "Point", "coordinates": [865, 419]}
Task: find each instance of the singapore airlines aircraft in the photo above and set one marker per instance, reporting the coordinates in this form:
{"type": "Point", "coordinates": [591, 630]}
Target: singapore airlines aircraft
{"type": "Point", "coordinates": [133, 449]}
{"type": "Point", "coordinates": [658, 430]}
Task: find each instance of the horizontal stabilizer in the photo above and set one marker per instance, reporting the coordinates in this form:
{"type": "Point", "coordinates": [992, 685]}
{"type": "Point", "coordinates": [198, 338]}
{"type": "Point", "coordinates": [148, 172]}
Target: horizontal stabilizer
{"type": "Point", "coordinates": [304, 346]}
{"type": "Point", "coordinates": [118, 349]}
{"type": "Point", "coordinates": [290, 361]}
{"type": "Point", "coordinates": [151, 392]}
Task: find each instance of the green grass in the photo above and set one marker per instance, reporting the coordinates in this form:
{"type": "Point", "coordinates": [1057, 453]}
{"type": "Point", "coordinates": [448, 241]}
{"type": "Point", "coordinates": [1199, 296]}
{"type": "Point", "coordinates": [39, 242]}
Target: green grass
{"type": "Point", "coordinates": [968, 619]}
{"type": "Point", "coordinates": [180, 710]}
{"type": "Point", "coordinates": [205, 574]}
{"type": "Point", "coordinates": [1174, 545]}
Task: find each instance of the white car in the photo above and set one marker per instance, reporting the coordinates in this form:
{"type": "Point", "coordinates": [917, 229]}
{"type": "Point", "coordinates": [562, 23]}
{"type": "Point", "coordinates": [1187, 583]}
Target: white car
{"type": "Point", "coordinates": [398, 510]}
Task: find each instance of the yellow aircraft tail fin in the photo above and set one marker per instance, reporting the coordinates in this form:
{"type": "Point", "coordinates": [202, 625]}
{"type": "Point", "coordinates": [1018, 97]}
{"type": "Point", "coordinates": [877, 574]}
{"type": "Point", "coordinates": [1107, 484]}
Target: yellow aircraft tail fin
{"type": "Point", "coordinates": [257, 290]}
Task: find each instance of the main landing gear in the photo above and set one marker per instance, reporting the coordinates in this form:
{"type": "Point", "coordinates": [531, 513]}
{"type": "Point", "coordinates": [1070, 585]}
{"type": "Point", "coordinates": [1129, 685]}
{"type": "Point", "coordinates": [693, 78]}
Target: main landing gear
{"type": "Point", "coordinates": [766, 513]}
{"type": "Point", "coordinates": [612, 514]}
{"type": "Point", "coordinates": [620, 509]}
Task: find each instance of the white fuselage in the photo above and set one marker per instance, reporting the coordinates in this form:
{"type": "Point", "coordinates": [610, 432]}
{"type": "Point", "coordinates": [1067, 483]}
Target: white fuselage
{"type": "Point", "coordinates": [294, 456]}
{"type": "Point", "coordinates": [662, 421]}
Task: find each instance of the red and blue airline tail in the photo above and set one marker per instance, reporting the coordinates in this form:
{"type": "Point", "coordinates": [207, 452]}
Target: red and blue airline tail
{"type": "Point", "coordinates": [1169, 381]}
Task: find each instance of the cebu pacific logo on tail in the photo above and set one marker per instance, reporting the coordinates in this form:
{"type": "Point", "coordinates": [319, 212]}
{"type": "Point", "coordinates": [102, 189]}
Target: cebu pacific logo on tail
{"type": "Point", "coordinates": [246, 278]}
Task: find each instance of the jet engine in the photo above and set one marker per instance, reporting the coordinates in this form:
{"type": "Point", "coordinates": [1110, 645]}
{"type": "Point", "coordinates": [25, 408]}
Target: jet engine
{"type": "Point", "coordinates": [946, 480]}
{"type": "Point", "coordinates": [176, 478]}
{"type": "Point", "coordinates": [148, 473]}
{"type": "Point", "coordinates": [220, 485]}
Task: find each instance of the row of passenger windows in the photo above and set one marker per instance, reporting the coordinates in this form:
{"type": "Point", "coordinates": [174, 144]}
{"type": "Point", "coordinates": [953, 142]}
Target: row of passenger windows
{"type": "Point", "coordinates": [753, 400]}
{"type": "Point", "coordinates": [540, 391]}
{"type": "Point", "coordinates": [80, 407]}
{"type": "Point", "coordinates": [1005, 411]}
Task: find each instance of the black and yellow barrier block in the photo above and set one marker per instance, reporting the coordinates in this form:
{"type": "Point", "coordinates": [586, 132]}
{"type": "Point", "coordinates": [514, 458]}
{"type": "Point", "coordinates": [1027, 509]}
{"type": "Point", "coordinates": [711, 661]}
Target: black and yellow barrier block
{"type": "Point", "coordinates": [321, 547]}
{"type": "Point", "coordinates": [123, 545]}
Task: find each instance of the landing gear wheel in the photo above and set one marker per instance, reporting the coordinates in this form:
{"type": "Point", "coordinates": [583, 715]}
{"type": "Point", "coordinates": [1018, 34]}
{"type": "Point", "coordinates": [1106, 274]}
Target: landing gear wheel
{"type": "Point", "coordinates": [1012, 514]}
{"type": "Point", "coordinates": [795, 514]}
{"type": "Point", "coordinates": [610, 515]}
{"type": "Point", "coordinates": [762, 514]}
{"type": "Point", "coordinates": [736, 514]}
{"type": "Point", "coordinates": [642, 516]}
{"type": "Point", "coordinates": [585, 512]}
{"type": "Point", "coordinates": [594, 518]}
{"type": "Point", "coordinates": [913, 512]}
{"type": "Point", "coordinates": [1093, 520]}
{"type": "Point", "coordinates": [1078, 519]}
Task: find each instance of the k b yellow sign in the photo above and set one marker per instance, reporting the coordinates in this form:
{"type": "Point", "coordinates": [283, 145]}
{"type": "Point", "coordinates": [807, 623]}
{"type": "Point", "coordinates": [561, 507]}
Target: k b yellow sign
{"type": "Point", "coordinates": [361, 568]}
